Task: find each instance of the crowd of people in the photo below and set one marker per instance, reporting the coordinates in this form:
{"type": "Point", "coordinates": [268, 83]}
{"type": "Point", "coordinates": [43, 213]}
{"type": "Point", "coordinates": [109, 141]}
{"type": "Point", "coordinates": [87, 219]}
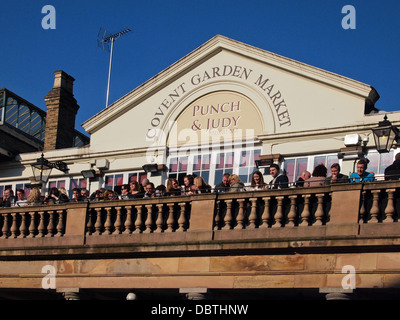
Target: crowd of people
{"type": "Point", "coordinates": [197, 185]}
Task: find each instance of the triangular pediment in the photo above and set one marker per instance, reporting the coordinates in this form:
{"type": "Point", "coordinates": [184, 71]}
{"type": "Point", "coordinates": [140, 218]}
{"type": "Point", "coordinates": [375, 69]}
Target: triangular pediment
{"type": "Point", "coordinates": [284, 90]}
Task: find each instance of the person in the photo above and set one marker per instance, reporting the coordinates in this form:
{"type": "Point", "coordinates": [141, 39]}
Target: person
{"type": "Point", "coordinates": [98, 195]}
{"type": "Point", "coordinates": [188, 181]}
{"type": "Point", "coordinates": [84, 194]}
{"type": "Point", "coordinates": [361, 175]}
{"type": "Point", "coordinates": [21, 200]}
{"type": "Point", "coordinates": [143, 185]}
{"type": "Point", "coordinates": [149, 190]}
{"type": "Point", "coordinates": [202, 186]}
{"type": "Point", "coordinates": [35, 197]}
{"type": "Point", "coordinates": [55, 196]}
{"type": "Point", "coordinates": [235, 183]}
{"type": "Point", "coordinates": [392, 172]}
{"type": "Point", "coordinates": [173, 188]}
{"type": "Point", "coordinates": [76, 195]}
{"type": "Point", "coordinates": [160, 191]}
{"type": "Point", "coordinates": [64, 192]}
{"type": "Point", "coordinates": [8, 198]}
{"type": "Point", "coordinates": [223, 186]}
{"type": "Point", "coordinates": [125, 192]}
{"type": "Point", "coordinates": [336, 176]}
{"type": "Point", "coordinates": [318, 177]}
{"type": "Point", "coordinates": [305, 175]}
{"type": "Point", "coordinates": [257, 181]}
{"type": "Point", "coordinates": [110, 195]}
{"type": "Point", "coordinates": [135, 189]}
{"type": "Point", "coordinates": [279, 180]}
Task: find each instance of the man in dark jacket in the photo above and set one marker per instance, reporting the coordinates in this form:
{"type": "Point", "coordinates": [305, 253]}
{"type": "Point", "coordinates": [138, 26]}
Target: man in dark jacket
{"type": "Point", "coordinates": [393, 171]}
{"type": "Point", "coordinates": [279, 181]}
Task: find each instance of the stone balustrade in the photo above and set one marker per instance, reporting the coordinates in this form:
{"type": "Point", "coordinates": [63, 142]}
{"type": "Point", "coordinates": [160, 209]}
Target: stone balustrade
{"type": "Point", "coordinates": [368, 203]}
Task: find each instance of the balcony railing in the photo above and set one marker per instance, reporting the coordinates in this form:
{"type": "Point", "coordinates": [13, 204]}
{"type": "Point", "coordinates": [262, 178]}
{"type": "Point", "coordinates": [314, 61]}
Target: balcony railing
{"type": "Point", "coordinates": [279, 210]}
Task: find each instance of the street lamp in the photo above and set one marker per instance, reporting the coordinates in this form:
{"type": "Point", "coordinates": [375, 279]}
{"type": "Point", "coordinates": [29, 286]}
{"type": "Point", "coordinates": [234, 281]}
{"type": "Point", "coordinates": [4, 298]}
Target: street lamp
{"type": "Point", "coordinates": [384, 134]}
{"type": "Point", "coordinates": [42, 169]}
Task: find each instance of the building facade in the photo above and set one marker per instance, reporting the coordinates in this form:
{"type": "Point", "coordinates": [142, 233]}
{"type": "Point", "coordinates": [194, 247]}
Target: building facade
{"type": "Point", "coordinates": [217, 110]}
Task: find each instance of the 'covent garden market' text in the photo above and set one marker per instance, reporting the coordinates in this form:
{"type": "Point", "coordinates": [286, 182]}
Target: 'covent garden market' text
{"type": "Point", "coordinates": [259, 80]}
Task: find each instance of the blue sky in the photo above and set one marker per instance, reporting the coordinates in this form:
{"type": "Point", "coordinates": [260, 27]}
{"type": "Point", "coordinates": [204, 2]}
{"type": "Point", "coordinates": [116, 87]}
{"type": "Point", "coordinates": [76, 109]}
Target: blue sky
{"type": "Point", "coordinates": [309, 31]}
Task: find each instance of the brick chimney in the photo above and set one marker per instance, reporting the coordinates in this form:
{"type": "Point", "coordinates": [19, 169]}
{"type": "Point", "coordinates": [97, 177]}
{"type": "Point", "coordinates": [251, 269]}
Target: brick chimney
{"type": "Point", "coordinates": [61, 113]}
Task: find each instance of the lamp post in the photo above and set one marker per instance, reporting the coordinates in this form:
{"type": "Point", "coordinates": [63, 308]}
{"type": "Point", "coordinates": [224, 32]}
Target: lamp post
{"type": "Point", "coordinates": [385, 134]}
{"type": "Point", "coordinates": [42, 168]}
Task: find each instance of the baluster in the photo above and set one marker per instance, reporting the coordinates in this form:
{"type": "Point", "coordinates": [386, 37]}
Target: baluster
{"type": "Point", "coordinates": [50, 227]}
{"type": "Point", "coordinates": [41, 228]}
{"type": "Point", "coordinates": [389, 211]}
{"type": "Point", "coordinates": [159, 221]}
{"type": "Point", "coordinates": [228, 215]}
{"type": "Point", "coordinates": [305, 215]}
{"type": "Point", "coordinates": [22, 228]}
{"type": "Point", "coordinates": [108, 224]}
{"type": "Point", "coordinates": [149, 221]}
{"type": "Point", "coordinates": [32, 225]}
{"type": "Point", "coordinates": [292, 212]}
{"type": "Point", "coordinates": [170, 220]}
{"type": "Point", "coordinates": [5, 230]}
{"type": "Point", "coordinates": [362, 208]}
{"type": "Point", "coordinates": [265, 216]}
{"type": "Point", "coordinates": [217, 218]}
{"type": "Point", "coordinates": [128, 221]}
{"type": "Point", "coordinates": [118, 221]}
{"type": "Point", "coordinates": [253, 213]}
{"type": "Point", "coordinates": [375, 206]}
{"type": "Point", "coordinates": [139, 220]}
{"type": "Point", "coordinates": [60, 223]}
{"type": "Point", "coordinates": [89, 225]}
{"type": "Point", "coordinates": [279, 213]}
{"type": "Point", "coordinates": [14, 227]}
{"type": "Point", "coordinates": [240, 216]}
{"type": "Point", "coordinates": [319, 213]}
{"type": "Point", "coordinates": [98, 225]}
{"type": "Point", "coordinates": [182, 217]}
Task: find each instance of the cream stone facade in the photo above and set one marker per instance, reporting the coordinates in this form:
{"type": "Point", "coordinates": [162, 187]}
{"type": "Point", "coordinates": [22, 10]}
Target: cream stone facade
{"type": "Point", "coordinates": [219, 101]}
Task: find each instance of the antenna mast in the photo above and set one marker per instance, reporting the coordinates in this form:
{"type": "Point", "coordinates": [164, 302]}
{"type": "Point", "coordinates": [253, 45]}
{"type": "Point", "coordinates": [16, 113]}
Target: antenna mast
{"type": "Point", "coordinates": [104, 39]}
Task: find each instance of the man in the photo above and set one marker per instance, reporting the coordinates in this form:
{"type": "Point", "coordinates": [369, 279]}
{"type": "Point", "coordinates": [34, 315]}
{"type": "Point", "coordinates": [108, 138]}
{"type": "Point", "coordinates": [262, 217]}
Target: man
{"type": "Point", "coordinates": [8, 198]}
{"type": "Point", "coordinates": [336, 176]}
{"type": "Point", "coordinates": [305, 175]}
{"type": "Point", "coordinates": [76, 195]}
{"type": "Point", "coordinates": [393, 171]}
{"type": "Point", "coordinates": [361, 175]}
{"type": "Point", "coordinates": [224, 185]}
{"type": "Point", "coordinates": [21, 200]}
{"type": "Point", "coordinates": [279, 181]}
{"type": "Point", "coordinates": [149, 190]}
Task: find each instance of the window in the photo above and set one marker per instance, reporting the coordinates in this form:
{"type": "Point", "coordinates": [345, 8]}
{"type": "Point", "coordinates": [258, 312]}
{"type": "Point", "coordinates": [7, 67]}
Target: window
{"type": "Point", "coordinates": [294, 167]}
{"type": "Point", "coordinates": [212, 166]}
{"type": "Point", "coordinates": [137, 176]}
{"type": "Point", "coordinates": [112, 181]}
{"type": "Point", "coordinates": [80, 183]}
{"type": "Point", "coordinates": [378, 162]}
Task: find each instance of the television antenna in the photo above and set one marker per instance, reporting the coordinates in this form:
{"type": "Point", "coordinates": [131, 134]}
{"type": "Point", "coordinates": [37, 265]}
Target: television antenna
{"type": "Point", "coordinates": [104, 39]}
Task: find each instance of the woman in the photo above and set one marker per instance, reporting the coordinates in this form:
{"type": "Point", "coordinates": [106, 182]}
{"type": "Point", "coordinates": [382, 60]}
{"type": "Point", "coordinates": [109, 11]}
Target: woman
{"type": "Point", "coordinates": [35, 197]}
{"type": "Point", "coordinates": [135, 189]}
{"type": "Point", "coordinates": [173, 188]}
{"type": "Point", "coordinates": [318, 178]}
{"type": "Point", "coordinates": [257, 181]}
{"type": "Point", "coordinates": [235, 183]}
{"type": "Point", "coordinates": [201, 185]}
{"type": "Point", "coordinates": [110, 195]}
{"type": "Point", "coordinates": [188, 182]}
